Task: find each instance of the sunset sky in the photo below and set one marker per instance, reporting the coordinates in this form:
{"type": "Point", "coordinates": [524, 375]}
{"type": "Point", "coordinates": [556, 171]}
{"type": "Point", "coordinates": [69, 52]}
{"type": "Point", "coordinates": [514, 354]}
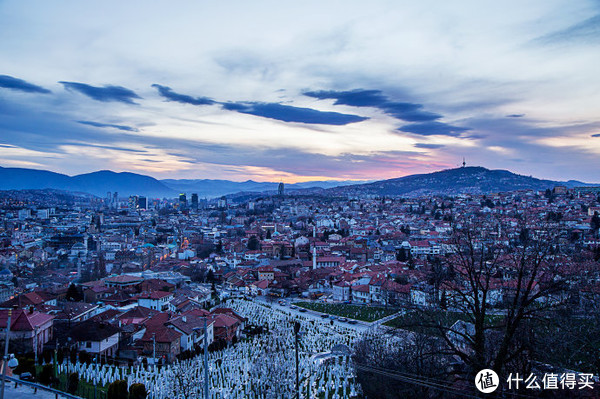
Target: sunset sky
{"type": "Point", "coordinates": [310, 90]}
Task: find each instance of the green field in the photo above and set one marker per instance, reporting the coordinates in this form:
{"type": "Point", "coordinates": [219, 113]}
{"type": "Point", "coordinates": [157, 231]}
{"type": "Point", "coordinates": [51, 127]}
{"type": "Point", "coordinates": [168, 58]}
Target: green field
{"type": "Point", "coordinates": [417, 321]}
{"type": "Point", "coordinates": [422, 321]}
{"type": "Point", "coordinates": [357, 312]}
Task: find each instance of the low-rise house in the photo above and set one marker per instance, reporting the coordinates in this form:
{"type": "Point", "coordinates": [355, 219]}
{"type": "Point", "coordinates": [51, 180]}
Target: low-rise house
{"type": "Point", "coordinates": [96, 337]}
{"type": "Point", "coordinates": [191, 327]}
{"type": "Point", "coordinates": [342, 291]}
{"type": "Point", "coordinates": [259, 288]}
{"type": "Point", "coordinates": [157, 300]}
{"type": "Point", "coordinates": [28, 329]}
{"type": "Point", "coordinates": [163, 341]}
{"type": "Point", "coordinates": [360, 293]}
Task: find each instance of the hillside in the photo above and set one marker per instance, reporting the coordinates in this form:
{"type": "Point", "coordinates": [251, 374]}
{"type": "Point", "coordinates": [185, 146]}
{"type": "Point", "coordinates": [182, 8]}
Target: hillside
{"type": "Point", "coordinates": [96, 183]}
{"type": "Point", "coordinates": [473, 180]}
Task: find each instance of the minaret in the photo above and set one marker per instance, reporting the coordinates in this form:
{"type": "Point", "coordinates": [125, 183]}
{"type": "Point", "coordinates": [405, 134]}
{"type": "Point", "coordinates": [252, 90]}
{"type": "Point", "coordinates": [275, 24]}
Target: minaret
{"type": "Point", "coordinates": [464, 163]}
{"type": "Point", "coordinates": [314, 258]}
{"type": "Point", "coordinates": [314, 231]}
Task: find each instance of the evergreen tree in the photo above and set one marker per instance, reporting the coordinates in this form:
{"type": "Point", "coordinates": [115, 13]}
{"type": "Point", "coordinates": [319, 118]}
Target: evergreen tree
{"type": "Point", "coordinates": [73, 293]}
{"type": "Point", "coordinates": [253, 243]}
{"type": "Point", "coordinates": [595, 222]}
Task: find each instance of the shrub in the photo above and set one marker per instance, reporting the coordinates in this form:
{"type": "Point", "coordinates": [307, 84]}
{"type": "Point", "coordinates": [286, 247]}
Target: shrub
{"type": "Point", "coordinates": [26, 365]}
{"type": "Point", "coordinates": [117, 390]}
{"type": "Point", "coordinates": [47, 374]}
{"type": "Point", "coordinates": [73, 382]}
{"type": "Point", "coordinates": [137, 391]}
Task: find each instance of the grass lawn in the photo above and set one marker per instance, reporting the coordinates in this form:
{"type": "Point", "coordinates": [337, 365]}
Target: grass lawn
{"type": "Point", "coordinates": [418, 321]}
{"type": "Point", "coordinates": [358, 312]}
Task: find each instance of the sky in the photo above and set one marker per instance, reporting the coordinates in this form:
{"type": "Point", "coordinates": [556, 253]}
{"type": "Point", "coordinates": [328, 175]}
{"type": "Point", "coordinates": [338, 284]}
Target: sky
{"type": "Point", "coordinates": [301, 91]}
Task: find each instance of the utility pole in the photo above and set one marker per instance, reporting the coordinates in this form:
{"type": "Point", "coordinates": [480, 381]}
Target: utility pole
{"type": "Point", "coordinates": [36, 344]}
{"type": "Point", "coordinates": [205, 360]}
{"type": "Point", "coordinates": [296, 331]}
{"type": "Point", "coordinates": [205, 329]}
{"type": "Point", "coordinates": [96, 379]}
{"type": "Point", "coordinates": [5, 365]}
{"type": "Point", "coordinates": [154, 350]}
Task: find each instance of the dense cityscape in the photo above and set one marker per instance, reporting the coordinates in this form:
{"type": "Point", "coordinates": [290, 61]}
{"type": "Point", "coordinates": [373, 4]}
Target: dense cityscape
{"type": "Point", "coordinates": [92, 284]}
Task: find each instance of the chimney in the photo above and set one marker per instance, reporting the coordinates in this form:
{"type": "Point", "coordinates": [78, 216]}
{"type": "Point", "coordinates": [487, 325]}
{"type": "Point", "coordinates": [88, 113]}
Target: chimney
{"type": "Point", "coordinates": [184, 318]}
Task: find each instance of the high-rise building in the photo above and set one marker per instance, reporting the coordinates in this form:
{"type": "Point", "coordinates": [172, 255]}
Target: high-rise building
{"type": "Point", "coordinates": [133, 202]}
{"type": "Point", "coordinates": [115, 202]}
{"type": "Point", "coordinates": [222, 203]}
{"type": "Point", "coordinates": [195, 201]}
{"type": "Point", "coordinates": [142, 203]}
{"type": "Point", "coordinates": [182, 201]}
{"type": "Point", "coordinates": [280, 189]}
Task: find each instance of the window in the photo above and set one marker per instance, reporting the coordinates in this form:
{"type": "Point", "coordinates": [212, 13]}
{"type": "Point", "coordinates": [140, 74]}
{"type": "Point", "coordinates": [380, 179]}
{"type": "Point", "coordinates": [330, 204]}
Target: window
{"type": "Point", "coordinates": [88, 344]}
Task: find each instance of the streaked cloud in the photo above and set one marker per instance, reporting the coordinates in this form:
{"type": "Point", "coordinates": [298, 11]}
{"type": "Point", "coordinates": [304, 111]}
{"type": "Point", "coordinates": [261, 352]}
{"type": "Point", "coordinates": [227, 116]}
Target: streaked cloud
{"type": "Point", "coordinates": [288, 113]}
{"type": "Point", "coordinates": [110, 125]}
{"type": "Point", "coordinates": [434, 129]}
{"type": "Point", "coordinates": [9, 82]}
{"type": "Point", "coordinates": [429, 146]}
{"type": "Point", "coordinates": [405, 111]}
{"type": "Point", "coordinates": [104, 94]}
{"type": "Point", "coordinates": [587, 30]}
{"type": "Point", "coordinates": [170, 95]}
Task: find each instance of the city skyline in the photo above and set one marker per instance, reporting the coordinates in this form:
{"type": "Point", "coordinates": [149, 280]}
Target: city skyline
{"type": "Point", "coordinates": [341, 90]}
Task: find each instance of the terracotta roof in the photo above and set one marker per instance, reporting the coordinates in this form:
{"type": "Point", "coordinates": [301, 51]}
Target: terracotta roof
{"type": "Point", "coordinates": [162, 334]}
{"type": "Point", "coordinates": [155, 295]}
{"type": "Point", "coordinates": [22, 320]}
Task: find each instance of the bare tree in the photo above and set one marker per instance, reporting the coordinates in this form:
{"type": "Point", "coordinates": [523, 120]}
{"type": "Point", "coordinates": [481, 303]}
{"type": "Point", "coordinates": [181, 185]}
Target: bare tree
{"type": "Point", "coordinates": [185, 379]}
{"type": "Point", "coordinates": [496, 287]}
{"type": "Point", "coordinates": [387, 366]}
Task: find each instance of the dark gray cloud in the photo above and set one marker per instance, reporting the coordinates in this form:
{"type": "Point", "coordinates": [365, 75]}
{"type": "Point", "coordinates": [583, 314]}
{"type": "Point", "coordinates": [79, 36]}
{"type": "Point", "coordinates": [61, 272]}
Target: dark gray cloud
{"type": "Point", "coordinates": [99, 124]}
{"type": "Point", "coordinates": [104, 94]}
{"type": "Point", "coordinates": [429, 146]}
{"type": "Point", "coordinates": [280, 112]}
{"type": "Point", "coordinates": [9, 82]}
{"type": "Point", "coordinates": [433, 129]}
{"type": "Point", "coordinates": [355, 98]}
{"type": "Point", "coordinates": [515, 115]}
{"type": "Point", "coordinates": [406, 111]}
{"type": "Point", "coordinates": [170, 95]}
{"type": "Point", "coordinates": [288, 113]}
{"type": "Point", "coordinates": [585, 31]}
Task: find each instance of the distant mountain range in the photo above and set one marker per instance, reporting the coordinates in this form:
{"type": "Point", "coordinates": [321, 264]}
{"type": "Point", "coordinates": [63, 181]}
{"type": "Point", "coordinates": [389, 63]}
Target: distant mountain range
{"type": "Point", "coordinates": [96, 183]}
{"type": "Point", "coordinates": [472, 180]}
{"type": "Point", "coordinates": [475, 180]}
{"type": "Point", "coordinates": [101, 182]}
{"type": "Point", "coordinates": [216, 188]}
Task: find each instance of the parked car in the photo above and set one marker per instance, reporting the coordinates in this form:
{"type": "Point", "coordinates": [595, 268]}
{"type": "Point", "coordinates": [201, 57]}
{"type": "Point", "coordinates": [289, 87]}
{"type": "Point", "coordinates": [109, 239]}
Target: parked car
{"type": "Point", "coordinates": [352, 321]}
{"type": "Point", "coordinates": [343, 319]}
{"type": "Point", "coordinates": [301, 310]}
{"type": "Point", "coordinates": [27, 376]}
{"type": "Point", "coordinates": [294, 307]}
{"type": "Point", "coordinates": [325, 316]}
